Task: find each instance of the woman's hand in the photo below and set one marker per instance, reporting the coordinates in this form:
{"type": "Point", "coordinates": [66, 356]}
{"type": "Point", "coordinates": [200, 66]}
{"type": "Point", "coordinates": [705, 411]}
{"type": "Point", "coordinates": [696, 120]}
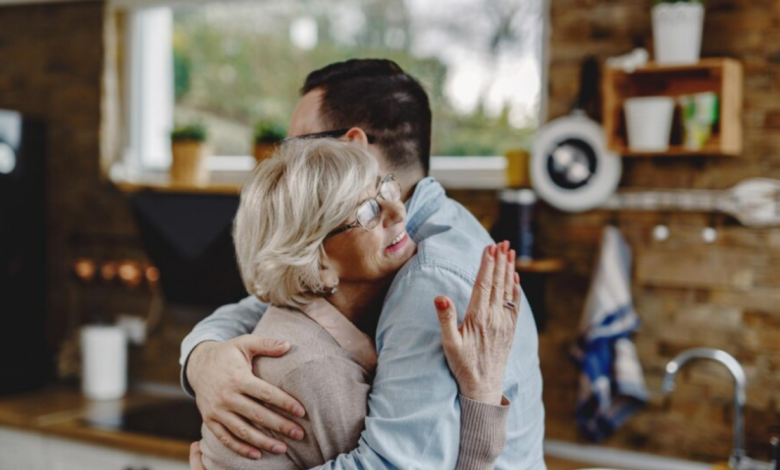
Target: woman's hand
{"type": "Point", "coordinates": [477, 352]}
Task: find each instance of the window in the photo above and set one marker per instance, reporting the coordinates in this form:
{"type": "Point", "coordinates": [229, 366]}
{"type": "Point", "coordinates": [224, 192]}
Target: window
{"type": "Point", "coordinates": [231, 65]}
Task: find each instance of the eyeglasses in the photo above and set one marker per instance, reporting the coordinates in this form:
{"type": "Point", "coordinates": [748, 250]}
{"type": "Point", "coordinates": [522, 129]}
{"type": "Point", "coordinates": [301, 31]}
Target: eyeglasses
{"type": "Point", "coordinates": [327, 134]}
{"type": "Point", "coordinates": [370, 212]}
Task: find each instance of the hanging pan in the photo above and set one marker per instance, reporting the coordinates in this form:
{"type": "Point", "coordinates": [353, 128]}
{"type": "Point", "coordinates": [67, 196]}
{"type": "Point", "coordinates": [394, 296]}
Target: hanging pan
{"type": "Point", "coordinates": [571, 167]}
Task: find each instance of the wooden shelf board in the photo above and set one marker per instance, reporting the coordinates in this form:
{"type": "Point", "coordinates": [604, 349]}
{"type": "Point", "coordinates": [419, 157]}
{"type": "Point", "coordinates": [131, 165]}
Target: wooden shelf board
{"type": "Point", "coordinates": [676, 151]}
{"type": "Point", "coordinates": [709, 63]}
{"type": "Point", "coordinates": [213, 188]}
{"type": "Point", "coordinates": [540, 265]}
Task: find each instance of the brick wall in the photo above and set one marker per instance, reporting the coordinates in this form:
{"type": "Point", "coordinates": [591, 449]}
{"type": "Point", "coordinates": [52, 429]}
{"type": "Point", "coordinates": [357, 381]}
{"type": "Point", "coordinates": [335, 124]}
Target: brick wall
{"type": "Point", "coordinates": [725, 295]}
{"type": "Point", "coordinates": [52, 58]}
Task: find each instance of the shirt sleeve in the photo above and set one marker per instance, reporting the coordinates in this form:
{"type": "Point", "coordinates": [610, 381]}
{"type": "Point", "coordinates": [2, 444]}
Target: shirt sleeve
{"type": "Point", "coordinates": [227, 322]}
{"type": "Point", "coordinates": [414, 412]}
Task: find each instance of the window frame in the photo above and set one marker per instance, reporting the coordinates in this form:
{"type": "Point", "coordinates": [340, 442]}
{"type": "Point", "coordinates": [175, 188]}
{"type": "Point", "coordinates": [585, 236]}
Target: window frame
{"type": "Point", "coordinates": [463, 172]}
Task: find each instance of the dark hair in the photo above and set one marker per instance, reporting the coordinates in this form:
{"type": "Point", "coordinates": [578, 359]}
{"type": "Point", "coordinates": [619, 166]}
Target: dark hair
{"type": "Point", "coordinates": [383, 100]}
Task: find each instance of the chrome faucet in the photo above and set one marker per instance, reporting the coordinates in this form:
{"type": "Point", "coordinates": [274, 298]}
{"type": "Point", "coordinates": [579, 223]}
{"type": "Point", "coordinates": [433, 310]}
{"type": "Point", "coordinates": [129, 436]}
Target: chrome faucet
{"type": "Point", "coordinates": [738, 459]}
{"type": "Point", "coordinates": [739, 390]}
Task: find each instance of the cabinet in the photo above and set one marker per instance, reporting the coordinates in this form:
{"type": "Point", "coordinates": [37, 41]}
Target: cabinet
{"type": "Point", "coordinates": [21, 450]}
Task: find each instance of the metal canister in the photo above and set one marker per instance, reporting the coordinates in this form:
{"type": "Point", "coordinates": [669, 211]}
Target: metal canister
{"type": "Point", "coordinates": [516, 221]}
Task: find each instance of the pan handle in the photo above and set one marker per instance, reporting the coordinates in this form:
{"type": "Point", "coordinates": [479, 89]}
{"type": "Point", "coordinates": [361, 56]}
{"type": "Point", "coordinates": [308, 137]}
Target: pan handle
{"type": "Point", "coordinates": [589, 98]}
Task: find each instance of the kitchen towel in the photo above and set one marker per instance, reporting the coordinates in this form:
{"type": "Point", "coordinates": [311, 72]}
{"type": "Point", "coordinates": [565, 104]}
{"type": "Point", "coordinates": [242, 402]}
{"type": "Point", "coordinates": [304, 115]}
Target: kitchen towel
{"type": "Point", "coordinates": [612, 387]}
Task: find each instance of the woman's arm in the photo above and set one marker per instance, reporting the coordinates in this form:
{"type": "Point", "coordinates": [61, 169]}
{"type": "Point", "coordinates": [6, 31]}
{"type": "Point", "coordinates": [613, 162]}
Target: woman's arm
{"type": "Point", "coordinates": [477, 353]}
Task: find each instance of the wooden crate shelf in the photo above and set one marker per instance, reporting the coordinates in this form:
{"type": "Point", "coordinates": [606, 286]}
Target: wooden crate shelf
{"type": "Point", "coordinates": [721, 76]}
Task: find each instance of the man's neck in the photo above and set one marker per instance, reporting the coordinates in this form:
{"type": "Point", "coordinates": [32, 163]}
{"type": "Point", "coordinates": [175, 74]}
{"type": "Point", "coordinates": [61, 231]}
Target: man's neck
{"type": "Point", "coordinates": [408, 184]}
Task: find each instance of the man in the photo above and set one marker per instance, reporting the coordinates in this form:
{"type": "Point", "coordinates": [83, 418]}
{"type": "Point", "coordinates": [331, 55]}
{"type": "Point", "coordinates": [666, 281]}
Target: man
{"type": "Point", "coordinates": [413, 417]}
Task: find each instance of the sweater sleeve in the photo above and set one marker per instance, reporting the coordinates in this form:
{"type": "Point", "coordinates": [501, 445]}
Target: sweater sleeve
{"type": "Point", "coordinates": [226, 323]}
{"type": "Point", "coordinates": [482, 433]}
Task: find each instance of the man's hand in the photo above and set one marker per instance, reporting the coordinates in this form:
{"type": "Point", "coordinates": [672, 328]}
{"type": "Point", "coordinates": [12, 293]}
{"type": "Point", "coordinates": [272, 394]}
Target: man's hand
{"type": "Point", "coordinates": [478, 350]}
{"type": "Point", "coordinates": [196, 457]}
{"type": "Point", "coordinates": [229, 395]}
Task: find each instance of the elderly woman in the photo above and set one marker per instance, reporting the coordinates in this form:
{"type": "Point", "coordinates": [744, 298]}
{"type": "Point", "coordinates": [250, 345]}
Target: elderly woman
{"type": "Point", "coordinates": [320, 235]}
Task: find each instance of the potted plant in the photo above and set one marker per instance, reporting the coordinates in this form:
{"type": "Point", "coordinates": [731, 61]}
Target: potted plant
{"type": "Point", "coordinates": [267, 135]}
{"type": "Point", "coordinates": [189, 152]}
{"type": "Point", "coordinates": [677, 28]}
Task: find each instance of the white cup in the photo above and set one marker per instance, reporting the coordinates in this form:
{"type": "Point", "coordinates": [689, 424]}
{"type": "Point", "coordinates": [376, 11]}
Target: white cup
{"type": "Point", "coordinates": [103, 362]}
{"type": "Point", "coordinates": [649, 122]}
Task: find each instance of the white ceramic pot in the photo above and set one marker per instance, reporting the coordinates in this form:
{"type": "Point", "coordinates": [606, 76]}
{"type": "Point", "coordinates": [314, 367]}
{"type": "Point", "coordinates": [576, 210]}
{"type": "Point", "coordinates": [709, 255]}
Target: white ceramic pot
{"type": "Point", "coordinates": [649, 122]}
{"type": "Point", "coordinates": [677, 31]}
{"type": "Point", "coordinates": [103, 362]}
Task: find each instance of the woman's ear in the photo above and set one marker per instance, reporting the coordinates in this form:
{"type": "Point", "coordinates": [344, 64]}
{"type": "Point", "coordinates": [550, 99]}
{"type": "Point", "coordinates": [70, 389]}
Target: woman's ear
{"type": "Point", "coordinates": [357, 134]}
{"type": "Point", "coordinates": [328, 274]}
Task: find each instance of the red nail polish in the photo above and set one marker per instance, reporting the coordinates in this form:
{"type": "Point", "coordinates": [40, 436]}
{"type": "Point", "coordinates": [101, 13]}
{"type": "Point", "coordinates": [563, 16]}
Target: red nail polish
{"type": "Point", "coordinates": [441, 304]}
{"type": "Point", "coordinates": [493, 250]}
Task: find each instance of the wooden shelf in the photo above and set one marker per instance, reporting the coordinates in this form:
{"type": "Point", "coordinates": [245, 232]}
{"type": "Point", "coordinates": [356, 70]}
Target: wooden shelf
{"type": "Point", "coordinates": [721, 76]}
{"type": "Point", "coordinates": [540, 265]}
{"type": "Point", "coordinates": [167, 187]}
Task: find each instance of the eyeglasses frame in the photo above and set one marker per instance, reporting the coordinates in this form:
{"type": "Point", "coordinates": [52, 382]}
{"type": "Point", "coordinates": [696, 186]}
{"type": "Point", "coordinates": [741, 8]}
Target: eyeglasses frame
{"type": "Point", "coordinates": [327, 134]}
{"type": "Point", "coordinates": [350, 226]}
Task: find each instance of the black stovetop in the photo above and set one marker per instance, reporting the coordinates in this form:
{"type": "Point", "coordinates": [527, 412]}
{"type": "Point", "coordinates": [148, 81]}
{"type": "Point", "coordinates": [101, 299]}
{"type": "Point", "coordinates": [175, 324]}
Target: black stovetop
{"type": "Point", "coordinates": [174, 419]}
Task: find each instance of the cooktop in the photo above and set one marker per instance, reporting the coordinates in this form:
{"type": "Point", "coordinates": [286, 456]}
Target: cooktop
{"type": "Point", "coordinates": [174, 419]}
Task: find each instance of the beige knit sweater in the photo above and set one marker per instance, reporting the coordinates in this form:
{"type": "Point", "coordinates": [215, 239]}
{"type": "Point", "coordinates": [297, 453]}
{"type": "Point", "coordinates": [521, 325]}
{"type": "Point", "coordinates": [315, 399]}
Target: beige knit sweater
{"type": "Point", "coordinates": [333, 387]}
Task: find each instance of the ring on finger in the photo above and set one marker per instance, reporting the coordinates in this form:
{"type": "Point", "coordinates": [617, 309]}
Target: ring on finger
{"type": "Point", "coordinates": [510, 305]}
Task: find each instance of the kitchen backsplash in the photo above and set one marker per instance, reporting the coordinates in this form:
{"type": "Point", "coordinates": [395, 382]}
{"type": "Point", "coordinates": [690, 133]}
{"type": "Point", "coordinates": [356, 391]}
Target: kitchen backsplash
{"type": "Point", "coordinates": [725, 295]}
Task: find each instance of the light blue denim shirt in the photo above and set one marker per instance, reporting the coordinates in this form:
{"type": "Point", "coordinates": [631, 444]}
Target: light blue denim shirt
{"type": "Point", "coordinates": [414, 413]}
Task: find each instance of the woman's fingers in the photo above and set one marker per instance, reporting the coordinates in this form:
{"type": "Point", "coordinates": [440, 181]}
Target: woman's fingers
{"type": "Point", "coordinates": [480, 295]}
{"type": "Point", "coordinates": [448, 317]}
{"type": "Point", "coordinates": [509, 279]}
{"type": "Point", "coordinates": [499, 274]}
{"type": "Point", "coordinates": [516, 296]}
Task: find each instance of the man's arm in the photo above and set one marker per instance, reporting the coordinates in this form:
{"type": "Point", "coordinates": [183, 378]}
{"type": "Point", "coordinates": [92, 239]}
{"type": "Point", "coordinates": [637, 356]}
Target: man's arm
{"type": "Point", "coordinates": [216, 359]}
{"type": "Point", "coordinates": [414, 413]}
{"type": "Point", "coordinates": [227, 322]}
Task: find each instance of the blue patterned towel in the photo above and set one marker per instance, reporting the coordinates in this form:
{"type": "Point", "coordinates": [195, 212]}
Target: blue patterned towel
{"type": "Point", "coordinates": [612, 387]}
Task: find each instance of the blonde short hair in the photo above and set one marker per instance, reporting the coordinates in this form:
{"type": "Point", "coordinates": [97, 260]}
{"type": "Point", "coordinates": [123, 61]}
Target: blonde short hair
{"type": "Point", "coordinates": [288, 206]}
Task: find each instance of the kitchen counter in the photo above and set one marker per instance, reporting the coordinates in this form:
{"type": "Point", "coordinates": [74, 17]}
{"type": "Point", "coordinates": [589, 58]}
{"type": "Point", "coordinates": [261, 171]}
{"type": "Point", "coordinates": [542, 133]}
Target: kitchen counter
{"type": "Point", "coordinates": [64, 412]}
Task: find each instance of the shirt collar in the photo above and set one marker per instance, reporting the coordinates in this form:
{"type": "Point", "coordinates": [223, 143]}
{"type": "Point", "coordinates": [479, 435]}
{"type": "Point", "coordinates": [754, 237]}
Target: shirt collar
{"type": "Point", "coordinates": [427, 199]}
{"type": "Point", "coordinates": [346, 334]}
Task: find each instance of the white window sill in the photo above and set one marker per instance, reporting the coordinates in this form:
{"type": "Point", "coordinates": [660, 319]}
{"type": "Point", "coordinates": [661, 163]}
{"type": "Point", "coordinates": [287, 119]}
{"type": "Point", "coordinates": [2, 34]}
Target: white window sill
{"type": "Point", "coordinates": [227, 174]}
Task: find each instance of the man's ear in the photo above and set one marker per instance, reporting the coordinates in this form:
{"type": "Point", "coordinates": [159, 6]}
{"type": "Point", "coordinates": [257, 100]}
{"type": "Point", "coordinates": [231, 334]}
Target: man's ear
{"type": "Point", "coordinates": [357, 134]}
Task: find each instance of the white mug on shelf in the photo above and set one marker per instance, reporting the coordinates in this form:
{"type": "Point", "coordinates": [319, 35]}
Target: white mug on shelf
{"type": "Point", "coordinates": [649, 123]}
